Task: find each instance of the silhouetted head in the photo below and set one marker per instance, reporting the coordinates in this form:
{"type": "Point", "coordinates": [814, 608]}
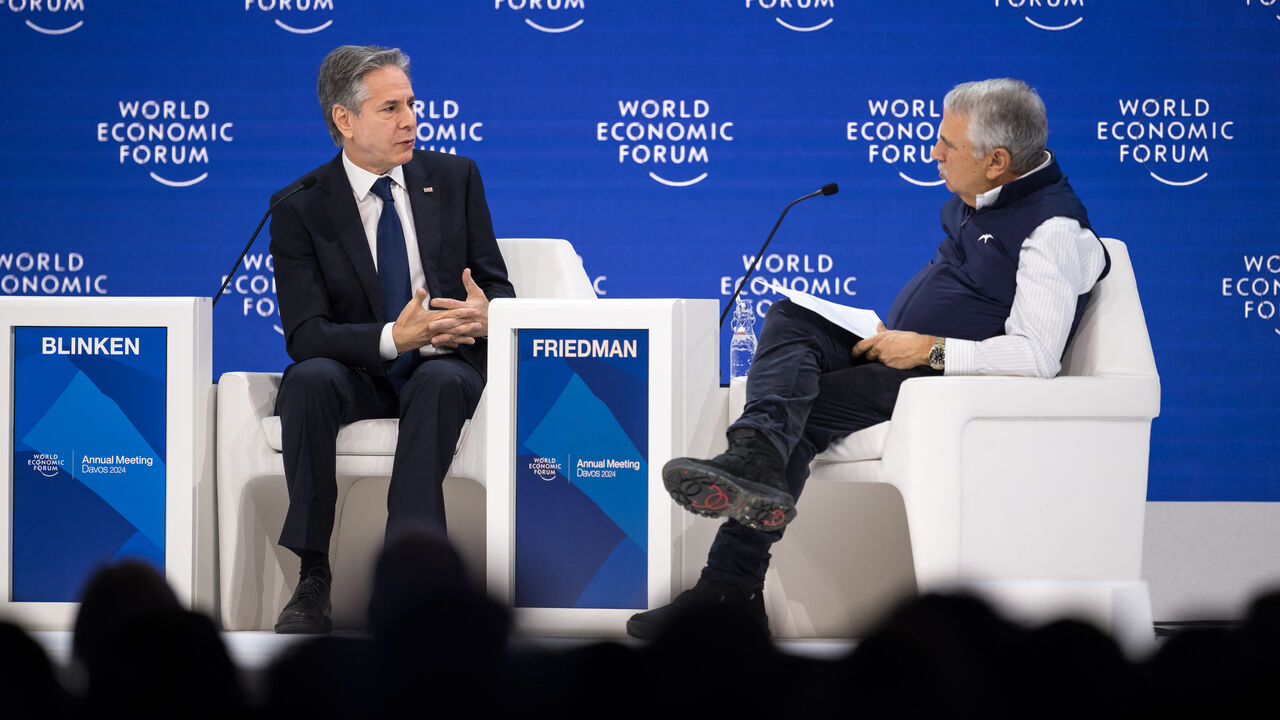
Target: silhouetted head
{"type": "Point", "coordinates": [117, 595]}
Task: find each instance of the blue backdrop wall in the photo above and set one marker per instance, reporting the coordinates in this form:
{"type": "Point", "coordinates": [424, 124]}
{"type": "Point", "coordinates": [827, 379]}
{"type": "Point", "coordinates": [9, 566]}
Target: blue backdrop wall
{"type": "Point", "coordinates": [662, 137]}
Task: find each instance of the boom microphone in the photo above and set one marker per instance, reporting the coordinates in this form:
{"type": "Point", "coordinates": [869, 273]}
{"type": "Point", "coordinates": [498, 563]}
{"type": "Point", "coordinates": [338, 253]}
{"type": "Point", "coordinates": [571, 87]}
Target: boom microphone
{"type": "Point", "coordinates": [305, 183]}
{"type": "Point", "coordinates": [828, 189]}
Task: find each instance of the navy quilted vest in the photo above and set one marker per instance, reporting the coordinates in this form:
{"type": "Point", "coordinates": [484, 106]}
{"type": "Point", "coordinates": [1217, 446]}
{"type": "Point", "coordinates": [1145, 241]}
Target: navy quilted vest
{"type": "Point", "coordinates": [966, 291]}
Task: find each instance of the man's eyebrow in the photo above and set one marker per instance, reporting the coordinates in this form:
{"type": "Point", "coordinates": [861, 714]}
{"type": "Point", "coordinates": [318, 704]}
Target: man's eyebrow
{"type": "Point", "coordinates": [945, 141]}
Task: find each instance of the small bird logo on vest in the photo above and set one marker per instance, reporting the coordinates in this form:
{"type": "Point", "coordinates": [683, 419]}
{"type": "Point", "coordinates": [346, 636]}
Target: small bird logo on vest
{"type": "Point", "coordinates": [985, 237]}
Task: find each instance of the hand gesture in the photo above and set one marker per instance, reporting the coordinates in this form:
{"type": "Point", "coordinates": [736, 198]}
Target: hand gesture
{"type": "Point", "coordinates": [460, 322]}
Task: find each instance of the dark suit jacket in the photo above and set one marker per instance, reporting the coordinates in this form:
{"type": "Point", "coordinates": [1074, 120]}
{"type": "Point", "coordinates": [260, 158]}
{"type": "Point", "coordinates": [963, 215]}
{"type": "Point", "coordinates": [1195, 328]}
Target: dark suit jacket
{"type": "Point", "coordinates": [326, 281]}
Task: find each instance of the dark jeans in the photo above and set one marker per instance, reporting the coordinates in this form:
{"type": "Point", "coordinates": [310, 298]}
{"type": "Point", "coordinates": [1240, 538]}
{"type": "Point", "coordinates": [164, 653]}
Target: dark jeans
{"type": "Point", "coordinates": [805, 389]}
{"type": "Point", "coordinates": [319, 395]}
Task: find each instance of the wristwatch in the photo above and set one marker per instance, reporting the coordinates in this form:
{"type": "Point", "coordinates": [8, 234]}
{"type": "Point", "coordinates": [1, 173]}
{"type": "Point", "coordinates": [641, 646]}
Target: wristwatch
{"type": "Point", "coordinates": [938, 354]}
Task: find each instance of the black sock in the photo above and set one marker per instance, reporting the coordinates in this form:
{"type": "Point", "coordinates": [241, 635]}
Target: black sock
{"type": "Point", "coordinates": [314, 560]}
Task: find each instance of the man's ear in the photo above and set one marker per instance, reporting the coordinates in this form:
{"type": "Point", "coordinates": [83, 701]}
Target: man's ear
{"type": "Point", "coordinates": [1000, 163]}
{"type": "Point", "coordinates": [342, 120]}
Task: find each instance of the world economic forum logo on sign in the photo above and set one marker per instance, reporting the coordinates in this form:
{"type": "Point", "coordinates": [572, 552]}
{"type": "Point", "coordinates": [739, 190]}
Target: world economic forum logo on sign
{"type": "Point", "coordinates": [256, 286]}
{"type": "Point", "coordinates": [48, 273]}
{"type": "Point", "coordinates": [48, 17]}
{"type": "Point", "coordinates": [673, 137]}
{"type": "Point", "coordinates": [1051, 15]}
{"type": "Point", "coordinates": [548, 16]}
{"type": "Point", "coordinates": [900, 133]}
{"type": "Point", "coordinates": [1257, 288]}
{"type": "Point", "coordinates": [1168, 136]}
{"type": "Point", "coordinates": [813, 273]}
{"type": "Point", "coordinates": [300, 17]}
{"type": "Point", "coordinates": [797, 15]}
{"type": "Point", "coordinates": [545, 468]}
{"type": "Point", "coordinates": [47, 464]}
{"type": "Point", "coordinates": [171, 138]}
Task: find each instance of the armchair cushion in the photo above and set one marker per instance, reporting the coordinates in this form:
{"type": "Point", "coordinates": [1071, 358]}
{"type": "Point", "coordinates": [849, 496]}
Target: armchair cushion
{"type": "Point", "coordinates": [866, 444]}
{"type": "Point", "coordinates": [367, 437]}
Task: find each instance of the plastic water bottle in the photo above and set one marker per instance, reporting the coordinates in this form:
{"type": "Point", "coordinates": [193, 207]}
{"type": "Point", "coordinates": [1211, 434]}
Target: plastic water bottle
{"type": "Point", "coordinates": [742, 348]}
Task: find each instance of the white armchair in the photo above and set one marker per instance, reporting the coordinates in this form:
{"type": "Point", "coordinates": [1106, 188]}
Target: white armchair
{"type": "Point", "coordinates": [1028, 491]}
{"type": "Point", "coordinates": [256, 575]}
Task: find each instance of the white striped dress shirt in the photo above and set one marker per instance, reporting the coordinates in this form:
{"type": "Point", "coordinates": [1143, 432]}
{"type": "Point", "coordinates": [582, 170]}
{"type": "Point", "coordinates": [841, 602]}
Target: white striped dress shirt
{"type": "Point", "coordinates": [1059, 261]}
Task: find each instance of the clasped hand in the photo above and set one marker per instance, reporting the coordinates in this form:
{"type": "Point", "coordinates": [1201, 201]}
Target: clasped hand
{"type": "Point", "coordinates": [899, 349]}
{"type": "Point", "coordinates": [452, 323]}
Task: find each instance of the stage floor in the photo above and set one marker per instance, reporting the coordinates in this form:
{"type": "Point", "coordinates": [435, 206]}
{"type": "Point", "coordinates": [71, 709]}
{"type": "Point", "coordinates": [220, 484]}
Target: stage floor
{"type": "Point", "coordinates": [253, 651]}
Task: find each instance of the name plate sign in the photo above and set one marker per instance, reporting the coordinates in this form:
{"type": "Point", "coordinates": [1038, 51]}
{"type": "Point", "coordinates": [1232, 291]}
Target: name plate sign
{"type": "Point", "coordinates": [582, 468]}
{"type": "Point", "coordinates": [88, 454]}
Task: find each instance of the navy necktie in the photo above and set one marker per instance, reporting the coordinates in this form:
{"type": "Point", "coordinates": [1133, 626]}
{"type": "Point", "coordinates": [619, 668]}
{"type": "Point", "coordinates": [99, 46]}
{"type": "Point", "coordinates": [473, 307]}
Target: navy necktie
{"type": "Point", "coordinates": [393, 260]}
{"type": "Point", "coordinates": [393, 274]}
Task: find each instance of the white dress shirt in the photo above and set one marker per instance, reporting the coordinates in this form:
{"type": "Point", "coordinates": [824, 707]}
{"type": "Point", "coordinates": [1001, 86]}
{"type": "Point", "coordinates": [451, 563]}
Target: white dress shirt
{"type": "Point", "coordinates": [370, 207]}
{"type": "Point", "coordinates": [1059, 261]}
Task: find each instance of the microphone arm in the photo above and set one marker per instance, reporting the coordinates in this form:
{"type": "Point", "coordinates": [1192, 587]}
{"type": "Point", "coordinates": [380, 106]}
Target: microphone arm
{"type": "Point", "coordinates": [828, 189]}
{"type": "Point", "coordinates": [306, 183]}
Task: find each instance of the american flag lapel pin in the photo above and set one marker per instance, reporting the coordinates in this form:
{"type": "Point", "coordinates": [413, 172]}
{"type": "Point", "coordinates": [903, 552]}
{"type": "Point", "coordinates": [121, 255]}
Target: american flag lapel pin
{"type": "Point", "coordinates": [428, 189]}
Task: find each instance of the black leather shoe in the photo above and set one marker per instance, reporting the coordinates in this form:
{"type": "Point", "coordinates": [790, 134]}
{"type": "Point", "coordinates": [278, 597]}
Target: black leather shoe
{"type": "Point", "coordinates": [650, 624]}
{"type": "Point", "coordinates": [745, 483]}
{"type": "Point", "coordinates": [308, 610]}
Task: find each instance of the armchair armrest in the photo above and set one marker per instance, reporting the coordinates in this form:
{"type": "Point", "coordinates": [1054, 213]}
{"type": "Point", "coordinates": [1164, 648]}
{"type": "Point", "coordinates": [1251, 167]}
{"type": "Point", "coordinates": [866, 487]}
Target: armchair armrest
{"type": "Point", "coordinates": [965, 398]}
{"type": "Point", "coordinates": [248, 394]}
{"type": "Point", "coordinates": [1050, 462]}
{"type": "Point", "coordinates": [244, 399]}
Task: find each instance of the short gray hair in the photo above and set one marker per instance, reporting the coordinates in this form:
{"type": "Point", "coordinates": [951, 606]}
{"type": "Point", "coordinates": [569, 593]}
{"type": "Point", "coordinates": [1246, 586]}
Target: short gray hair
{"type": "Point", "coordinates": [1003, 113]}
{"type": "Point", "coordinates": [342, 78]}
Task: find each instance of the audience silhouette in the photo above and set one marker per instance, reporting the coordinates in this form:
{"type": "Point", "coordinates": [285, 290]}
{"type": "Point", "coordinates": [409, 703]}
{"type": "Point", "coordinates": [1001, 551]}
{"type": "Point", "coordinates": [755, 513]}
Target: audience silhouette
{"type": "Point", "coordinates": [143, 655]}
{"type": "Point", "coordinates": [28, 686]}
{"type": "Point", "coordinates": [439, 647]}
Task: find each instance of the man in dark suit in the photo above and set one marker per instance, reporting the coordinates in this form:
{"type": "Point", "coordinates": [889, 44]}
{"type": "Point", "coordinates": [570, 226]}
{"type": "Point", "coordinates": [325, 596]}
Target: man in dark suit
{"type": "Point", "coordinates": [384, 272]}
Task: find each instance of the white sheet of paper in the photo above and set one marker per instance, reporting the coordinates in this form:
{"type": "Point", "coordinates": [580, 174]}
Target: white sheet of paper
{"type": "Point", "coordinates": [862, 323]}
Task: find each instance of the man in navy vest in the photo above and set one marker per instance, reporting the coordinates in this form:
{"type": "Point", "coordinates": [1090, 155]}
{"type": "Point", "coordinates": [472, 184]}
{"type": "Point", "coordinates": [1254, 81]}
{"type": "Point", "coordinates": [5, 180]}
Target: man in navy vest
{"type": "Point", "coordinates": [1002, 296]}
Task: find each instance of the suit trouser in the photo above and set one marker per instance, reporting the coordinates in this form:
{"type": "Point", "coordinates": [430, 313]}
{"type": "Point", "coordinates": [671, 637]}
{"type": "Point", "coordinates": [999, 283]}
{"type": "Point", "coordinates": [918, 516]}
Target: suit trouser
{"type": "Point", "coordinates": [804, 390]}
{"type": "Point", "coordinates": [319, 395]}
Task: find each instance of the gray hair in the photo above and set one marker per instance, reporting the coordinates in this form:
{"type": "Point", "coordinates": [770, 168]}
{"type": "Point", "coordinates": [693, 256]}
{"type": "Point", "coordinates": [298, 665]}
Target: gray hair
{"type": "Point", "coordinates": [1003, 113]}
{"type": "Point", "coordinates": [342, 78]}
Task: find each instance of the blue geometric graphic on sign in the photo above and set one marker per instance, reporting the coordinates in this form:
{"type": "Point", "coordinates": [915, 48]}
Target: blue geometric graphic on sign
{"type": "Point", "coordinates": [88, 466]}
{"type": "Point", "coordinates": [610, 383]}
{"type": "Point", "coordinates": [62, 531]}
{"type": "Point", "coordinates": [581, 473]}
{"type": "Point", "coordinates": [562, 540]}
{"type": "Point", "coordinates": [616, 572]}
{"type": "Point", "coordinates": [121, 383]}
{"type": "Point", "coordinates": [553, 375]}
{"type": "Point", "coordinates": [596, 434]}
{"type": "Point", "coordinates": [54, 374]}
{"type": "Point", "coordinates": [139, 546]}
{"type": "Point", "coordinates": [98, 426]}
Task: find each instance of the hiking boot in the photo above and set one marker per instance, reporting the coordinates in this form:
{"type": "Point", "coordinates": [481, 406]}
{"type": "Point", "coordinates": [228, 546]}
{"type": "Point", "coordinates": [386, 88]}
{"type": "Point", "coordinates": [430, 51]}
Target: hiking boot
{"type": "Point", "coordinates": [649, 625]}
{"type": "Point", "coordinates": [745, 483]}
